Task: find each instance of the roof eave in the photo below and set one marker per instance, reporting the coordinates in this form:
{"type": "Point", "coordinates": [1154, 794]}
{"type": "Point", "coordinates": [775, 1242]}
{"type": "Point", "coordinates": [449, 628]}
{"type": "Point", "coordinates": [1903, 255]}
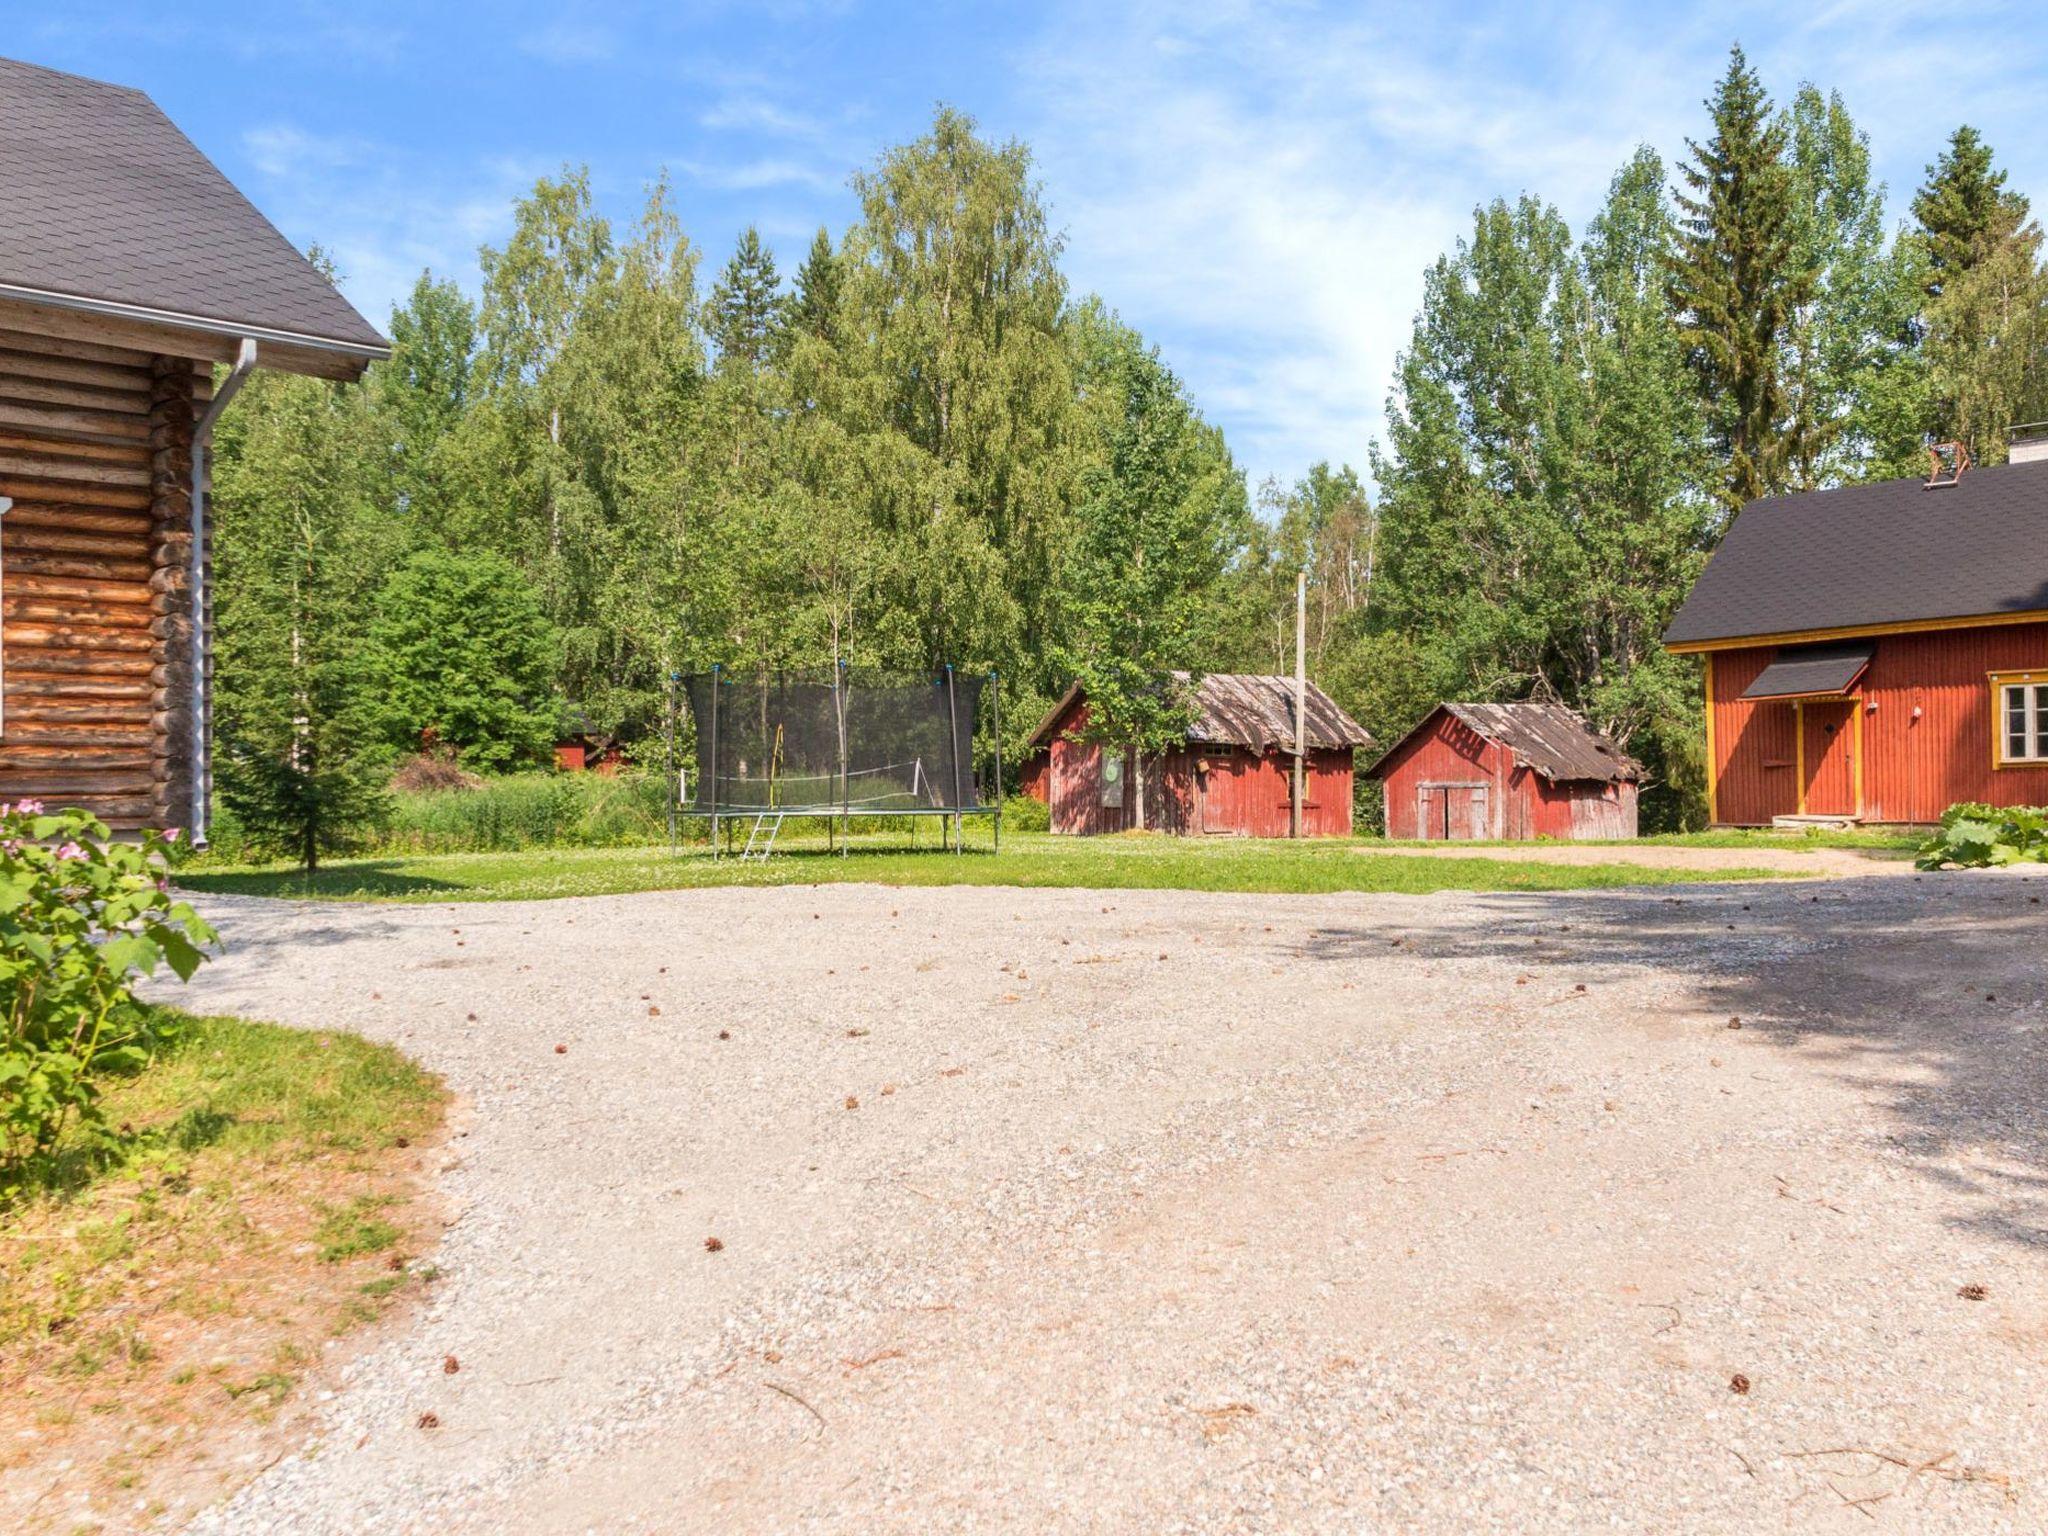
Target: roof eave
{"type": "Point", "coordinates": [293, 351]}
{"type": "Point", "coordinates": [1697, 647]}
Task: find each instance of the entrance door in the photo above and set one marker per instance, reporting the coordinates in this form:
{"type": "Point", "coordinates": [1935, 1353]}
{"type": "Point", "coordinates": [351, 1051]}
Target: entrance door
{"type": "Point", "coordinates": [1223, 790]}
{"type": "Point", "coordinates": [1827, 748]}
{"type": "Point", "coordinates": [1451, 812]}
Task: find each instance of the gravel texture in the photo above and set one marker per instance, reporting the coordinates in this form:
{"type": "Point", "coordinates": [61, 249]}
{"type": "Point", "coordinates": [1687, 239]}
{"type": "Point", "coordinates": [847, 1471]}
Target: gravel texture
{"type": "Point", "coordinates": [1166, 1212]}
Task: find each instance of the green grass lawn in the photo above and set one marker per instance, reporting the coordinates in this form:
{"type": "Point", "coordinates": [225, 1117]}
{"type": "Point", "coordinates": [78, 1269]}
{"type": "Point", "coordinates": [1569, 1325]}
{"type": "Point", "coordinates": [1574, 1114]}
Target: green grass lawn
{"type": "Point", "coordinates": [1028, 859]}
{"type": "Point", "coordinates": [166, 1297]}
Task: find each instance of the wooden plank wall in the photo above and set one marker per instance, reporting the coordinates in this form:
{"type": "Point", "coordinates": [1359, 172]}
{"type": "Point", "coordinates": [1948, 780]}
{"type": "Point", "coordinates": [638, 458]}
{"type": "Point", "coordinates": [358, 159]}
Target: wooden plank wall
{"type": "Point", "coordinates": [95, 636]}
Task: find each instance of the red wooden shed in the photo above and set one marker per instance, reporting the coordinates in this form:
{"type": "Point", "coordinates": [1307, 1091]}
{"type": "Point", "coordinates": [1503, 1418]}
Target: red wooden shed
{"type": "Point", "coordinates": [1507, 771]}
{"type": "Point", "coordinates": [1878, 652]}
{"type": "Point", "coordinates": [1230, 776]}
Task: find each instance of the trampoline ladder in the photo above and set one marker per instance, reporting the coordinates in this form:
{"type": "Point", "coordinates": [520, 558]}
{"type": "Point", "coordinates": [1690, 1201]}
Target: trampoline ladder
{"type": "Point", "coordinates": [773, 821]}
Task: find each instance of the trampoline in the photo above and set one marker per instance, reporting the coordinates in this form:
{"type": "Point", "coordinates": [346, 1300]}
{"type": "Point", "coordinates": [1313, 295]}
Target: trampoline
{"type": "Point", "coordinates": [776, 746]}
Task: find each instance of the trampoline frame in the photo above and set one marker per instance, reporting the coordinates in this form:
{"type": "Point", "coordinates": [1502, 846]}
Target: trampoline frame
{"type": "Point", "coordinates": [838, 814]}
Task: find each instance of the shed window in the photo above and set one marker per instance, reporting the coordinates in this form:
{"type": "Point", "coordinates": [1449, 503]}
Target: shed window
{"type": "Point", "coordinates": [1112, 780]}
{"type": "Point", "coordinates": [2023, 719]}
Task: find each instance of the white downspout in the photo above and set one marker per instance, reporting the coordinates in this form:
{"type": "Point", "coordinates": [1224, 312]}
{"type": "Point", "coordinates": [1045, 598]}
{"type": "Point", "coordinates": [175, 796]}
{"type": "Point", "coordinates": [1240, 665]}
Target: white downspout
{"type": "Point", "coordinates": [202, 440]}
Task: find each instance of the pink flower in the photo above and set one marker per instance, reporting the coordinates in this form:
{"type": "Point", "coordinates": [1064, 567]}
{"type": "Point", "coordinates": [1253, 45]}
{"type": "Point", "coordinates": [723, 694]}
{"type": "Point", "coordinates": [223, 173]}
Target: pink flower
{"type": "Point", "coordinates": [29, 807]}
{"type": "Point", "coordinates": [172, 834]}
{"type": "Point", "coordinates": [69, 851]}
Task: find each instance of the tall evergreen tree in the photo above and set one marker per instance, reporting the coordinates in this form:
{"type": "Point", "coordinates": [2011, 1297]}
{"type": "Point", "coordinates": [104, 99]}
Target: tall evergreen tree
{"type": "Point", "coordinates": [745, 306]}
{"type": "Point", "coordinates": [814, 306]}
{"type": "Point", "coordinates": [1963, 209]}
{"type": "Point", "coordinates": [1986, 318]}
{"type": "Point", "coordinates": [1737, 286]}
{"type": "Point", "coordinates": [303, 533]}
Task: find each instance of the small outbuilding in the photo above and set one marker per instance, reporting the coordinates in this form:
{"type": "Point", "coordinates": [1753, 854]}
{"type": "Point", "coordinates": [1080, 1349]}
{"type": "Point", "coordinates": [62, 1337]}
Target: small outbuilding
{"type": "Point", "coordinates": [1507, 772]}
{"type": "Point", "coordinates": [1231, 776]}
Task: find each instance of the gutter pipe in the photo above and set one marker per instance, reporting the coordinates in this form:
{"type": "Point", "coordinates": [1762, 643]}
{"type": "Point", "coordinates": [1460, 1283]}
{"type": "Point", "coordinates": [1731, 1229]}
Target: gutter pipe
{"type": "Point", "coordinates": [202, 441]}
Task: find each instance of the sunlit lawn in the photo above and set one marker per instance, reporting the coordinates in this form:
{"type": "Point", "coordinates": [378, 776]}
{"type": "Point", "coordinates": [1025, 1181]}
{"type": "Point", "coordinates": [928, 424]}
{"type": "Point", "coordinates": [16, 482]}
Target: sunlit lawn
{"type": "Point", "coordinates": [1026, 859]}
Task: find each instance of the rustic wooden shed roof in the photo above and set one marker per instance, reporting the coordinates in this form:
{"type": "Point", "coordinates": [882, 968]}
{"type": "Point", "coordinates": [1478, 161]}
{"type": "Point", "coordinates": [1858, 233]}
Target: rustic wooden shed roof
{"type": "Point", "coordinates": [1556, 742]}
{"type": "Point", "coordinates": [104, 203]}
{"type": "Point", "coordinates": [1247, 709]}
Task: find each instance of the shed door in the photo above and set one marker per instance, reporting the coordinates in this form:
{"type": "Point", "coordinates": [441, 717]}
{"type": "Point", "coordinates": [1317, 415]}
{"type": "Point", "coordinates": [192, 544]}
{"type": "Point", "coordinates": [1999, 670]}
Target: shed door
{"type": "Point", "coordinates": [1827, 744]}
{"type": "Point", "coordinates": [1223, 789]}
{"type": "Point", "coordinates": [1451, 812]}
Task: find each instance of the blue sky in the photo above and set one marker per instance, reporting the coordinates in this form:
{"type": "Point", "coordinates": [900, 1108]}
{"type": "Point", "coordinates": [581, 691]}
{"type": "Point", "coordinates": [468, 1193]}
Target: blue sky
{"type": "Point", "coordinates": [1256, 186]}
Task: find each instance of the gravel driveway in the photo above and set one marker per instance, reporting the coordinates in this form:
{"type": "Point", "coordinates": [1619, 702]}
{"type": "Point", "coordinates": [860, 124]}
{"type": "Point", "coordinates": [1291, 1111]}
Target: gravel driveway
{"type": "Point", "coordinates": [1165, 1212]}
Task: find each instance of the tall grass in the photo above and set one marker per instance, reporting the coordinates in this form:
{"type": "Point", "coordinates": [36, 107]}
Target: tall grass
{"type": "Point", "coordinates": [530, 810]}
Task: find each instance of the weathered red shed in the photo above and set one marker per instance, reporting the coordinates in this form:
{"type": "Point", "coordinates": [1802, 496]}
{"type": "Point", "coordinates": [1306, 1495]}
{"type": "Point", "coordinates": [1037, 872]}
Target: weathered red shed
{"type": "Point", "coordinates": [1230, 776]}
{"type": "Point", "coordinates": [1508, 771]}
{"type": "Point", "coordinates": [1877, 652]}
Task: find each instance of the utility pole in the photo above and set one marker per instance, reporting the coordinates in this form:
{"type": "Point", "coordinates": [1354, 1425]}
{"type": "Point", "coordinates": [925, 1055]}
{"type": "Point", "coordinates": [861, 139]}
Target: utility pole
{"type": "Point", "coordinates": [1298, 798]}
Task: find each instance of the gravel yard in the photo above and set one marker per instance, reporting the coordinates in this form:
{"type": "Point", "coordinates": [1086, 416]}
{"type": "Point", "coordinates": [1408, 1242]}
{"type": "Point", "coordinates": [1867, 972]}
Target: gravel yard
{"type": "Point", "coordinates": [1161, 1212]}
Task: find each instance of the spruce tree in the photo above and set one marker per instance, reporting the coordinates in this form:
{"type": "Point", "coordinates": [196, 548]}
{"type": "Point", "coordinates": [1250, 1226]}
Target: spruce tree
{"type": "Point", "coordinates": [815, 304]}
{"type": "Point", "coordinates": [1735, 284]}
{"type": "Point", "coordinates": [745, 307]}
{"type": "Point", "coordinates": [1963, 209]}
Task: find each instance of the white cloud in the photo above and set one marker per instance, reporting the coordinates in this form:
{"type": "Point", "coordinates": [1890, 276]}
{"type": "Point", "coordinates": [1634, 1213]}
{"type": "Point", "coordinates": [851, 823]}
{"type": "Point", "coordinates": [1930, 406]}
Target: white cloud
{"type": "Point", "coordinates": [1259, 186]}
{"type": "Point", "coordinates": [569, 43]}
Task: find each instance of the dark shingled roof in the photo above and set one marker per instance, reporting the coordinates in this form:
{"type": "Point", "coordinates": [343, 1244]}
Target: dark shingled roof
{"type": "Point", "coordinates": [1556, 742]}
{"type": "Point", "coordinates": [1892, 552]}
{"type": "Point", "coordinates": [102, 198]}
{"type": "Point", "coordinates": [1807, 669]}
{"type": "Point", "coordinates": [1245, 709]}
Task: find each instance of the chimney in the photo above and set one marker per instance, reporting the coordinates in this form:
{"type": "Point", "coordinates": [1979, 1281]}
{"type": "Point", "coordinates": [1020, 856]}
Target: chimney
{"type": "Point", "coordinates": [2029, 443]}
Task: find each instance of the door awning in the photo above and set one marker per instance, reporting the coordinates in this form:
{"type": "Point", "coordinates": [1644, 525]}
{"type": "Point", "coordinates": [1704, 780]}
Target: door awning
{"type": "Point", "coordinates": [1809, 671]}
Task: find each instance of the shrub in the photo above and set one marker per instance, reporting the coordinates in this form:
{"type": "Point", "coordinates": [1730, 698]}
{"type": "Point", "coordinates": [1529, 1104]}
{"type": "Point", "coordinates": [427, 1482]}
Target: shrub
{"type": "Point", "coordinates": [1975, 836]}
{"type": "Point", "coordinates": [1021, 813]}
{"type": "Point", "coordinates": [81, 916]}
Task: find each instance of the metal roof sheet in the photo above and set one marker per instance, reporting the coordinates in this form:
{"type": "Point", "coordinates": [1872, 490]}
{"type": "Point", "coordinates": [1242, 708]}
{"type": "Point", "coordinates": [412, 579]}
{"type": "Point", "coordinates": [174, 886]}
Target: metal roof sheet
{"type": "Point", "coordinates": [1556, 742]}
{"type": "Point", "coordinates": [1809, 669]}
{"type": "Point", "coordinates": [1246, 709]}
{"type": "Point", "coordinates": [103, 199]}
{"type": "Point", "coordinates": [1891, 552]}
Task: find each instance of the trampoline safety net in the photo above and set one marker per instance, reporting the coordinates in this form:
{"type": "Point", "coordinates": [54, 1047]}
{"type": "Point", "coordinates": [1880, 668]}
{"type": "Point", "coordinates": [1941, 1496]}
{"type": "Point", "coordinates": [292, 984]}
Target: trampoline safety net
{"type": "Point", "coordinates": [846, 745]}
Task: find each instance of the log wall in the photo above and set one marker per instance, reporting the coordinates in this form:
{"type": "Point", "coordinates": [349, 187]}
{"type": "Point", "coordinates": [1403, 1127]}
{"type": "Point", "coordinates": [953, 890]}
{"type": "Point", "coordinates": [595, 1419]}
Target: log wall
{"type": "Point", "coordinates": [95, 634]}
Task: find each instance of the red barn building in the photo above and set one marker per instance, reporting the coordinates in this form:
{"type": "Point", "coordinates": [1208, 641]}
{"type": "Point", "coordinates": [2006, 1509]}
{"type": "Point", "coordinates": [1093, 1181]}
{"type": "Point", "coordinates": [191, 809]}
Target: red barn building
{"type": "Point", "coordinates": [1507, 771]}
{"type": "Point", "coordinates": [1878, 652]}
{"type": "Point", "coordinates": [1230, 776]}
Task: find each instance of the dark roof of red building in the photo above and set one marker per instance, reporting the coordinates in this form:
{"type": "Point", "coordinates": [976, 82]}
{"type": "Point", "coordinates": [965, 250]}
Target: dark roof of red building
{"type": "Point", "coordinates": [1869, 556]}
{"type": "Point", "coordinates": [103, 200]}
{"type": "Point", "coordinates": [1556, 742]}
{"type": "Point", "coordinates": [1246, 709]}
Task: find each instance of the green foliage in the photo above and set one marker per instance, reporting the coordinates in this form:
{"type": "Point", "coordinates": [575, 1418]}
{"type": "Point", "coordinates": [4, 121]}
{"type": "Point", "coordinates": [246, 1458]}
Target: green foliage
{"type": "Point", "coordinates": [81, 917]}
{"type": "Point", "coordinates": [1976, 836]}
{"type": "Point", "coordinates": [304, 533]}
{"type": "Point", "coordinates": [531, 810]}
{"type": "Point", "coordinates": [1162, 517]}
{"type": "Point", "coordinates": [1737, 287]}
{"type": "Point", "coordinates": [460, 653]}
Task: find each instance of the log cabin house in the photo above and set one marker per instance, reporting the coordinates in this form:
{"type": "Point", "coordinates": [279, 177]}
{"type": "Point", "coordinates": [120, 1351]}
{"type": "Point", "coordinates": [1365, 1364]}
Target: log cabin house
{"type": "Point", "coordinates": [1879, 652]}
{"type": "Point", "coordinates": [1230, 776]}
{"type": "Point", "coordinates": [1507, 772]}
{"type": "Point", "coordinates": [137, 290]}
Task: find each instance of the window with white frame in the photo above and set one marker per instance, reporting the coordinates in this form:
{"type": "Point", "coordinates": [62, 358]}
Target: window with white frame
{"type": "Point", "coordinates": [2022, 718]}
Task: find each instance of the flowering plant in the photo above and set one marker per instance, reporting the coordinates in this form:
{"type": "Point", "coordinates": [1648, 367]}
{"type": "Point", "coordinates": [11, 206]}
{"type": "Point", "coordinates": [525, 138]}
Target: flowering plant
{"type": "Point", "coordinates": [81, 917]}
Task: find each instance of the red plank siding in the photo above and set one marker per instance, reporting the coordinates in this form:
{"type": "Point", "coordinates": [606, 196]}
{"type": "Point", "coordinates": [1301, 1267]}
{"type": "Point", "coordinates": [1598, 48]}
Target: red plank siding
{"type": "Point", "coordinates": [1919, 737]}
{"type": "Point", "coordinates": [1194, 789]}
{"type": "Point", "coordinates": [1452, 781]}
